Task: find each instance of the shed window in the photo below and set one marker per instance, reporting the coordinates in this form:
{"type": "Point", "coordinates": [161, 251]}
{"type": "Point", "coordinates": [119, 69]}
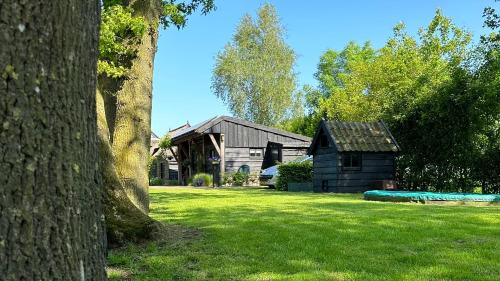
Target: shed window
{"type": "Point", "coordinates": [256, 153]}
{"type": "Point", "coordinates": [351, 161]}
{"type": "Point", "coordinates": [323, 141]}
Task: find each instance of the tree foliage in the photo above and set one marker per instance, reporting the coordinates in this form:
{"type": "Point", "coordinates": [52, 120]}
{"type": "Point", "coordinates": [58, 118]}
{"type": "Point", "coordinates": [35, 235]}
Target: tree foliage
{"type": "Point", "coordinates": [165, 142]}
{"type": "Point", "coordinates": [439, 95]}
{"type": "Point", "coordinates": [254, 73]}
{"type": "Point", "coordinates": [121, 30]}
{"type": "Point", "coordinates": [361, 83]}
{"type": "Point", "coordinates": [120, 34]}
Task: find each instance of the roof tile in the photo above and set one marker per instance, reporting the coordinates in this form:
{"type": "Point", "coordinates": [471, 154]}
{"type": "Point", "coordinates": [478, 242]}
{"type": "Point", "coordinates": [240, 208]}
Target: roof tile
{"type": "Point", "coordinates": [362, 136]}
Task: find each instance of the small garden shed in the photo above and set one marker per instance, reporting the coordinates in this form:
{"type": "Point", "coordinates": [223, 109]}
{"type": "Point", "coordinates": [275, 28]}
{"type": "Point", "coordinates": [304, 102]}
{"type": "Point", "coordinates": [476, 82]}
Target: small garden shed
{"type": "Point", "coordinates": [352, 156]}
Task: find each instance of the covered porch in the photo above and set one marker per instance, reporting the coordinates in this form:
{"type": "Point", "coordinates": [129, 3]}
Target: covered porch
{"type": "Point", "coordinates": [200, 153]}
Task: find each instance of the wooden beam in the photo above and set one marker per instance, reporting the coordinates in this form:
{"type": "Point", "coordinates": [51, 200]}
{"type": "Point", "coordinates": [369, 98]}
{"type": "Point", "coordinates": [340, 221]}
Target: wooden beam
{"type": "Point", "coordinates": [203, 152]}
{"type": "Point", "coordinates": [190, 159]}
{"type": "Point", "coordinates": [183, 149]}
{"type": "Point", "coordinates": [174, 154]}
{"type": "Point", "coordinates": [212, 138]}
{"type": "Point", "coordinates": [222, 156]}
{"type": "Point", "coordinates": [179, 166]}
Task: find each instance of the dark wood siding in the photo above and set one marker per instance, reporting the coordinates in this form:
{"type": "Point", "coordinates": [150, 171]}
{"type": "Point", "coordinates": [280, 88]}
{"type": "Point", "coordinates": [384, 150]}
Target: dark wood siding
{"type": "Point", "coordinates": [375, 167]}
{"type": "Point", "coordinates": [238, 135]}
{"type": "Point", "coordinates": [240, 138]}
{"type": "Point", "coordinates": [325, 161]}
{"type": "Point", "coordinates": [327, 166]}
{"type": "Point", "coordinates": [238, 156]}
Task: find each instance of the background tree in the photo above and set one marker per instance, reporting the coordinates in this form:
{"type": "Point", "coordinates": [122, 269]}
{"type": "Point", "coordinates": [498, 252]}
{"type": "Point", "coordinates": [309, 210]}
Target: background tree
{"type": "Point", "coordinates": [254, 74]}
{"type": "Point", "coordinates": [487, 158]}
{"type": "Point", "coordinates": [127, 49]}
{"type": "Point", "coordinates": [51, 225]}
{"type": "Point", "coordinates": [439, 96]}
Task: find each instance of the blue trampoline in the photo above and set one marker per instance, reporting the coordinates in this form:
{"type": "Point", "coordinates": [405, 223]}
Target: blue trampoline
{"type": "Point", "coordinates": [418, 196]}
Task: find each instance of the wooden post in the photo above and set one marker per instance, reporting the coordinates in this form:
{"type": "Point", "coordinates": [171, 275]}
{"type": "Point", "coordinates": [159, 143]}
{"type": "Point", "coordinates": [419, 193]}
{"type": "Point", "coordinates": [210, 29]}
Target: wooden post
{"type": "Point", "coordinates": [179, 165]}
{"type": "Point", "coordinates": [203, 150]}
{"type": "Point", "coordinates": [190, 158]}
{"type": "Point", "coordinates": [222, 156]}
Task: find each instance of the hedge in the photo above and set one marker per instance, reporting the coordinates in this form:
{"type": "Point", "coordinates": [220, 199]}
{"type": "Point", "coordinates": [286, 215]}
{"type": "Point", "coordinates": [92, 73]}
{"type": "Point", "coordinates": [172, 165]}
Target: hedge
{"type": "Point", "coordinates": [294, 172]}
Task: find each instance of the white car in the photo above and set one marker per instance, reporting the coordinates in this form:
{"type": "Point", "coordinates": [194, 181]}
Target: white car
{"type": "Point", "coordinates": [270, 175]}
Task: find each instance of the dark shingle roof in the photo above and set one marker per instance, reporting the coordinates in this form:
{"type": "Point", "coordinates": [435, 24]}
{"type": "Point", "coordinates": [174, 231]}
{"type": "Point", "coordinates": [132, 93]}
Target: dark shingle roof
{"type": "Point", "coordinates": [203, 126]}
{"type": "Point", "coordinates": [362, 136]}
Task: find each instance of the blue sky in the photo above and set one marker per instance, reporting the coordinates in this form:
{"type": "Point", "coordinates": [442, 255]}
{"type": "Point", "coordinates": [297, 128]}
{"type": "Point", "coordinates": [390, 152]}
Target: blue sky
{"type": "Point", "coordinates": [185, 58]}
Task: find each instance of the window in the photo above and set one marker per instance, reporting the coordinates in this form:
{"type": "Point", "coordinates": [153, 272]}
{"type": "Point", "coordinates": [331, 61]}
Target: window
{"type": "Point", "coordinates": [256, 153]}
{"type": "Point", "coordinates": [323, 141]}
{"type": "Point", "coordinates": [351, 161]}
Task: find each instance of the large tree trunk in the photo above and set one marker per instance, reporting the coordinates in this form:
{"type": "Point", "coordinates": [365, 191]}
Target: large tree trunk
{"type": "Point", "coordinates": [124, 221]}
{"type": "Point", "coordinates": [132, 128]}
{"type": "Point", "coordinates": [51, 225]}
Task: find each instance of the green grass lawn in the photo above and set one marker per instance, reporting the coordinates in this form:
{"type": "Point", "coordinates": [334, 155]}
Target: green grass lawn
{"type": "Point", "coordinates": [258, 234]}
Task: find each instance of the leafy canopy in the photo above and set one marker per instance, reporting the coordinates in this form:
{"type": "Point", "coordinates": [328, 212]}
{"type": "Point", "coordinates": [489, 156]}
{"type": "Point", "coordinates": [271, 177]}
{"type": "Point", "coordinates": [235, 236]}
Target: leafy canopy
{"type": "Point", "coordinates": [122, 30]}
{"type": "Point", "coordinates": [361, 83]}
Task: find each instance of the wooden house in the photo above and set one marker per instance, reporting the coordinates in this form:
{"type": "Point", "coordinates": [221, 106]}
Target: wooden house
{"type": "Point", "coordinates": [352, 156]}
{"type": "Point", "coordinates": [226, 144]}
{"type": "Point", "coordinates": [164, 164]}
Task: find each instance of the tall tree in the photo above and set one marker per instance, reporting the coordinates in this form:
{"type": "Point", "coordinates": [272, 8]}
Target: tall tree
{"type": "Point", "coordinates": [127, 49]}
{"type": "Point", "coordinates": [51, 225]}
{"type": "Point", "coordinates": [442, 106]}
{"type": "Point", "coordinates": [360, 83]}
{"type": "Point", "coordinates": [254, 73]}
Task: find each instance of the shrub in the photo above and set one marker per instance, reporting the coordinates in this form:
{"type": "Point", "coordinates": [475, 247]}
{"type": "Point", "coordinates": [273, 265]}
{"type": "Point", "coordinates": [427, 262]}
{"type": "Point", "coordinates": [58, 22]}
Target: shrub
{"type": "Point", "coordinates": [240, 178]}
{"type": "Point", "coordinates": [155, 181]}
{"type": "Point", "coordinates": [202, 179]}
{"type": "Point", "coordinates": [294, 172]}
{"type": "Point", "coordinates": [227, 179]}
{"type": "Point", "coordinates": [235, 179]}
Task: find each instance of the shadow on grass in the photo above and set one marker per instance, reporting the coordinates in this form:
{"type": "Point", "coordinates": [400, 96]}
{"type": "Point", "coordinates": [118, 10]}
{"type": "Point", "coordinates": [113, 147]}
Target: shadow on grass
{"type": "Point", "coordinates": [266, 235]}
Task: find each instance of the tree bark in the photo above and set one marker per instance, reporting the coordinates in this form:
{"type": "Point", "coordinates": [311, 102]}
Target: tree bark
{"type": "Point", "coordinates": [51, 225]}
{"type": "Point", "coordinates": [132, 127]}
{"type": "Point", "coordinates": [124, 221]}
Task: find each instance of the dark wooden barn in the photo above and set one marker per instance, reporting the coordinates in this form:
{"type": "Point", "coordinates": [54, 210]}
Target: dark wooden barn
{"type": "Point", "coordinates": [352, 156]}
{"type": "Point", "coordinates": [235, 143]}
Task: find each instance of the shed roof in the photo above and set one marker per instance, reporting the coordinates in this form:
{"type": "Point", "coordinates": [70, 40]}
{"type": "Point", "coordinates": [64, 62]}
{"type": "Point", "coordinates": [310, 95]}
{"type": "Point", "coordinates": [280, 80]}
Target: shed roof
{"type": "Point", "coordinates": [200, 128]}
{"type": "Point", "coordinates": [358, 136]}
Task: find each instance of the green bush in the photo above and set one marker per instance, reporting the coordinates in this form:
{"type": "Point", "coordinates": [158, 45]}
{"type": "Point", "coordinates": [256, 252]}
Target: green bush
{"type": "Point", "coordinates": [155, 181]}
{"type": "Point", "coordinates": [202, 179]}
{"type": "Point", "coordinates": [235, 179]}
{"type": "Point", "coordinates": [239, 178]}
{"type": "Point", "coordinates": [294, 172]}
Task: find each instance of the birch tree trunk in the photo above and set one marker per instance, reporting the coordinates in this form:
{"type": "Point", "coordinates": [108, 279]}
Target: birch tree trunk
{"type": "Point", "coordinates": [51, 224]}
